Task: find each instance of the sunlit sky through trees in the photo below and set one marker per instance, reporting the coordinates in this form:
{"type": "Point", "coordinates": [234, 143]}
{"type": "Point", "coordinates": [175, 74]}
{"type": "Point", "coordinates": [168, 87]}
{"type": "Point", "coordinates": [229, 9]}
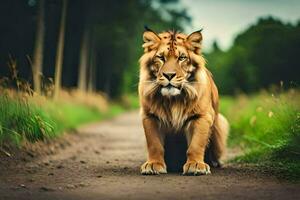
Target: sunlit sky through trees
{"type": "Point", "coordinates": [223, 19]}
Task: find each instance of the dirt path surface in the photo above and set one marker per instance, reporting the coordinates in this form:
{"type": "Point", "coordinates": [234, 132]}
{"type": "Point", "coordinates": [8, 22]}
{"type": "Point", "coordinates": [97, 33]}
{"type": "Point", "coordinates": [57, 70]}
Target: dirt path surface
{"type": "Point", "coordinates": [102, 162]}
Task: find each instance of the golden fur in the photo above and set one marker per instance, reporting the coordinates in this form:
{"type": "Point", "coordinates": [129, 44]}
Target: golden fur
{"type": "Point", "coordinates": [177, 94]}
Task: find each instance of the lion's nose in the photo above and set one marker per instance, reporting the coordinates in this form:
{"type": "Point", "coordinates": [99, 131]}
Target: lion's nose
{"type": "Point", "coordinates": [169, 75]}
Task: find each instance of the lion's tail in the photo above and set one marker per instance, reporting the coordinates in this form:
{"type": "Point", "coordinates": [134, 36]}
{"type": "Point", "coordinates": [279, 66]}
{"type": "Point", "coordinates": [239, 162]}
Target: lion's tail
{"type": "Point", "coordinates": [219, 136]}
{"type": "Point", "coordinates": [217, 146]}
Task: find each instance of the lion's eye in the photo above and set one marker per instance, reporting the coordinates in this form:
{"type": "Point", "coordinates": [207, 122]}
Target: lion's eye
{"type": "Point", "coordinates": [161, 57]}
{"type": "Point", "coordinates": [182, 58]}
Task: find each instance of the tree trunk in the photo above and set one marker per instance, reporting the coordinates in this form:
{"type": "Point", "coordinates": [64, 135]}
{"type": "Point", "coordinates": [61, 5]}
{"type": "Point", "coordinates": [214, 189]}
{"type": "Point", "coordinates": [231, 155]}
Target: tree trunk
{"type": "Point", "coordinates": [92, 72]}
{"type": "Point", "coordinates": [38, 49]}
{"type": "Point", "coordinates": [92, 64]}
{"type": "Point", "coordinates": [60, 50]}
{"type": "Point", "coordinates": [83, 65]}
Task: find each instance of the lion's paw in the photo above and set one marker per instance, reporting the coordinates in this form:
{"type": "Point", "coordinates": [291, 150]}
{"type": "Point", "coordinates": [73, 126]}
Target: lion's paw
{"type": "Point", "coordinates": [153, 168]}
{"type": "Point", "coordinates": [196, 168]}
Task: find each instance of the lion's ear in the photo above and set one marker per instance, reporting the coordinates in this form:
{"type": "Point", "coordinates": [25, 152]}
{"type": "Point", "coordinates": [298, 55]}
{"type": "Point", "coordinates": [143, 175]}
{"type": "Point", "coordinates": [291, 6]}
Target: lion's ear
{"type": "Point", "coordinates": [194, 41]}
{"type": "Point", "coordinates": [151, 40]}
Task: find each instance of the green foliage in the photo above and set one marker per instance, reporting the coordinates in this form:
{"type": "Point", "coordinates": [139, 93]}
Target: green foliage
{"type": "Point", "coordinates": [21, 118]}
{"type": "Point", "coordinates": [118, 35]}
{"type": "Point", "coordinates": [114, 38]}
{"type": "Point", "coordinates": [130, 101]}
{"type": "Point", "coordinates": [67, 115]}
{"type": "Point", "coordinates": [268, 129]}
{"type": "Point", "coordinates": [264, 54]}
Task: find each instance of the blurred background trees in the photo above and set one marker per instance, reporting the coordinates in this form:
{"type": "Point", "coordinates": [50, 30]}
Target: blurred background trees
{"type": "Point", "coordinates": [101, 45]}
{"type": "Point", "coordinates": [266, 53]}
{"type": "Point", "coordinates": [99, 48]}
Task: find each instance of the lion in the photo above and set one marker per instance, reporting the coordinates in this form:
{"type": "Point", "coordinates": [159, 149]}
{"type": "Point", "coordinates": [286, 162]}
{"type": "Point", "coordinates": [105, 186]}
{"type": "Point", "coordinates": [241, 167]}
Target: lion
{"type": "Point", "coordinates": [177, 95]}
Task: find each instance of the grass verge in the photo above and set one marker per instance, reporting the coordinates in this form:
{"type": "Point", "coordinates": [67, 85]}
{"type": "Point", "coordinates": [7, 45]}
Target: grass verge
{"type": "Point", "coordinates": [267, 128]}
{"type": "Point", "coordinates": [24, 117]}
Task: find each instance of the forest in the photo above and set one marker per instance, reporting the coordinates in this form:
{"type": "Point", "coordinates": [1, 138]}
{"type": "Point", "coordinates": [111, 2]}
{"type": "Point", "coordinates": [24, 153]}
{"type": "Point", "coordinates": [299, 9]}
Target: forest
{"type": "Point", "coordinates": [100, 46]}
{"type": "Point", "coordinates": [263, 55]}
{"type": "Point", "coordinates": [89, 45]}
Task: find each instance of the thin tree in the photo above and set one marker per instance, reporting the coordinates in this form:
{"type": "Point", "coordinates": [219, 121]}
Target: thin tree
{"type": "Point", "coordinates": [38, 49]}
{"type": "Point", "coordinates": [60, 50]}
{"type": "Point", "coordinates": [93, 63]}
{"type": "Point", "coordinates": [92, 71]}
{"type": "Point", "coordinates": [83, 65]}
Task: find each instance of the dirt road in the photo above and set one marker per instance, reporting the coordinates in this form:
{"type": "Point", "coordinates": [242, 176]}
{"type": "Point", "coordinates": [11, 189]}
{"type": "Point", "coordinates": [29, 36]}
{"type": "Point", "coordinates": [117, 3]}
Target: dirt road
{"type": "Point", "coordinates": [102, 162]}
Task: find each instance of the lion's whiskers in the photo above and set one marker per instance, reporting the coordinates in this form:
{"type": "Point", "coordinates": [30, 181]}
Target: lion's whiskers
{"type": "Point", "coordinates": [150, 82]}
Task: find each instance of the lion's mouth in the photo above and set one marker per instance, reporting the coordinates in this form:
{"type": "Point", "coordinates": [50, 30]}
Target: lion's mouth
{"type": "Point", "coordinates": [170, 90]}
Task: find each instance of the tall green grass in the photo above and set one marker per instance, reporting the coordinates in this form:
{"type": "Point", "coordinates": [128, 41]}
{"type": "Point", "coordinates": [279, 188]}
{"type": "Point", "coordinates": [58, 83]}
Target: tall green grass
{"type": "Point", "coordinates": [267, 128]}
{"type": "Point", "coordinates": [38, 118]}
{"type": "Point", "coordinates": [19, 119]}
{"type": "Point", "coordinates": [23, 119]}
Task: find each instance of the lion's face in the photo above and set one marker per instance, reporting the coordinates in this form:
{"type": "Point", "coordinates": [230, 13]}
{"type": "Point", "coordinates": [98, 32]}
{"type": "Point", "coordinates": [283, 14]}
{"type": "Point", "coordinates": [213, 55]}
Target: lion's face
{"type": "Point", "coordinates": [171, 67]}
{"type": "Point", "coordinates": [172, 61]}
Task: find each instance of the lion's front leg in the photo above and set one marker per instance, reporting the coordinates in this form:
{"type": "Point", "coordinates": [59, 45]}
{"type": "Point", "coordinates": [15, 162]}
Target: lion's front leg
{"type": "Point", "coordinates": [155, 163]}
{"type": "Point", "coordinates": [197, 137]}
